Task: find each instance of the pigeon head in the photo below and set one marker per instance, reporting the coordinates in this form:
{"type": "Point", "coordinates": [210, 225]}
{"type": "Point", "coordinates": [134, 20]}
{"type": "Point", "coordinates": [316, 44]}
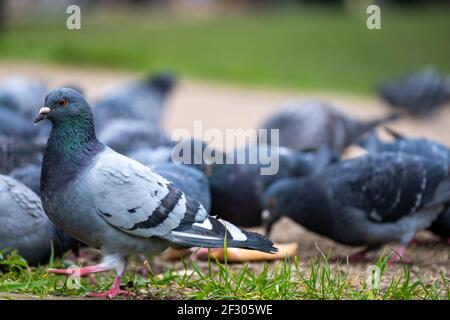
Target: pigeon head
{"type": "Point", "coordinates": [64, 104]}
{"type": "Point", "coordinates": [277, 201]}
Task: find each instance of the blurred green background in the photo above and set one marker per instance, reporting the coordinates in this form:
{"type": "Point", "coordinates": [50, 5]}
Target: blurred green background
{"type": "Point", "coordinates": [289, 45]}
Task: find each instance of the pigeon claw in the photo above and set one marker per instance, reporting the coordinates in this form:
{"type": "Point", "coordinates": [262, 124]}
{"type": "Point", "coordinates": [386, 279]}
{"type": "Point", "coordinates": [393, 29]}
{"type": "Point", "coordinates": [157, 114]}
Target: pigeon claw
{"type": "Point", "coordinates": [113, 292]}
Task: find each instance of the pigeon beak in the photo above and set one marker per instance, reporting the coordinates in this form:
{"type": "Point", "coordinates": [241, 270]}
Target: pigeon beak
{"type": "Point", "coordinates": [43, 113]}
{"type": "Point", "coordinates": [268, 220]}
{"type": "Point", "coordinates": [265, 216]}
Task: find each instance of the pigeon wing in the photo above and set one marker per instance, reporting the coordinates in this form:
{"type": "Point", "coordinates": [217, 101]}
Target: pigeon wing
{"type": "Point", "coordinates": [136, 200]}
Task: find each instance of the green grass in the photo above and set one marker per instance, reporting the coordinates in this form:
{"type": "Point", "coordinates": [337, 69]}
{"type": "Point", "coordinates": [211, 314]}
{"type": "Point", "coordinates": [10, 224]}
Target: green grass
{"type": "Point", "coordinates": [281, 280]}
{"type": "Point", "coordinates": [291, 47]}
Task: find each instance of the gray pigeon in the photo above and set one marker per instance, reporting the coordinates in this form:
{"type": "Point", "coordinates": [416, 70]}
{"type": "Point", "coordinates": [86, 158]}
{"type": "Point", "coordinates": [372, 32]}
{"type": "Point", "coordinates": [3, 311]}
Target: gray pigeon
{"type": "Point", "coordinates": [25, 227]}
{"type": "Point", "coordinates": [139, 100]}
{"type": "Point", "coordinates": [367, 201]}
{"type": "Point", "coordinates": [423, 147]}
{"type": "Point", "coordinates": [191, 181]}
{"type": "Point", "coordinates": [114, 203]}
{"type": "Point", "coordinates": [420, 93]}
{"type": "Point", "coordinates": [315, 124]}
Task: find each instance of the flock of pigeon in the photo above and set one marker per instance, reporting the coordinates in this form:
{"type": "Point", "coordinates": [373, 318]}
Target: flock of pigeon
{"type": "Point", "coordinates": [61, 187]}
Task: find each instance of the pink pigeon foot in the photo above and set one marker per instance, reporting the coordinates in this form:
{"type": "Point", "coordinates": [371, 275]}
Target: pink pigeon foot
{"type": "Point", "coordinates": [399, 256]}
{"type": "Point", "coordinates": [78, 271]}
{"type": "Point", "coordinates": [113, 292]}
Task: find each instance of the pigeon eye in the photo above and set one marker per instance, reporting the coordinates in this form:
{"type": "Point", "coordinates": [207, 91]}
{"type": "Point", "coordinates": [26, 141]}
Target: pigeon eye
{"type": "Point", "coordinates": [62, 102]}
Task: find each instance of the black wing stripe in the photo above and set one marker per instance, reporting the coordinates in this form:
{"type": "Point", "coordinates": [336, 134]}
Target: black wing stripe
{"type": "Point", "coordinates": [192, 207]}
{"type": "Point", "coordinates": [161, 213]}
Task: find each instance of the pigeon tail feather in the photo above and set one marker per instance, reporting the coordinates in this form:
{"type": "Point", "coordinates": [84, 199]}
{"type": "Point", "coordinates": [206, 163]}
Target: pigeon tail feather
{"type": "Point", "coordinates": [369, 125]}
{"type": "Point", "coordinates": [211, 233]}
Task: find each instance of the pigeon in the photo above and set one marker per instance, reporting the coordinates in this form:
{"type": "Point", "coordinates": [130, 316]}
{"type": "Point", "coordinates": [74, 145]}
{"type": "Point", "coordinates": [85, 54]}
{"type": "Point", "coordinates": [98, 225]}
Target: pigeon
{"type": "Point", "coordinates": [111, 202]}
{"type": "Point", "coordinates": [237, 187]}
{"type": "Point", "coordinates": [25, 227]}
{"type": "Point", "coordinates": [127, 135]}
{"type": "Point", "coordinates": [312, 124]}
{"type": "Point", "coordinates": [141, 100]}
{"type": "Point", "coordinates": [420, 93]}
{"type": "Point", "coordinates": [366, 201]}
{"type": "Point", "coordinates": [419, 146]}
{"type": "Point", "coordinates": [192, 182]}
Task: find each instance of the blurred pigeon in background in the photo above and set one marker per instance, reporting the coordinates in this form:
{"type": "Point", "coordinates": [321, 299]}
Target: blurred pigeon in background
{"type": "Point", "coordinates": [314, 124]}
{"type": "Point", "coordinates": [237, 188]}
{"type": "Point", "coordinates": [420, 93]}
{"type": "Point", "coordinates": [139, 100]}
{"type": "Point", "coordinates": [112, 202]}
{"type": "Point", "coordinates": [367, 201]}
{"type": "Point", "coordinates": [25, 227]}
{"type": "Point", "coordinates": [418, 146]}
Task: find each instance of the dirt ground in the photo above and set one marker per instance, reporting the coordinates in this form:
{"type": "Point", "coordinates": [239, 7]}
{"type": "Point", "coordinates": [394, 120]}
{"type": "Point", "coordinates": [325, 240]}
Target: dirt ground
{"type": "Point", "coordinates": [228, 107]}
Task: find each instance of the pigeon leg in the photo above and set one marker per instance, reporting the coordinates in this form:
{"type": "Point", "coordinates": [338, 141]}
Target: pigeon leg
{"type": "Point", "coordinates": [108, 263]}
{"type": "Point", "coordinates": [399, 256]}
{"type": "Point", "coordinates": [119, 264]}
{"type": "Point", "coordinates": [79, 271]}
{"type": "Point", "coordinates": [113, 292]}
